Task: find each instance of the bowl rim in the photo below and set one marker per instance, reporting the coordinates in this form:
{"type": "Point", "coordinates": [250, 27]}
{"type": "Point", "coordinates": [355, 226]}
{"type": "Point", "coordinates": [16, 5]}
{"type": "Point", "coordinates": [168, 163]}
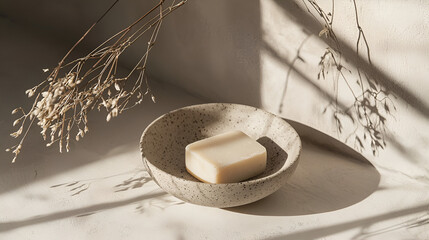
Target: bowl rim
{"type": "Point", "coordinates": [292, 164]}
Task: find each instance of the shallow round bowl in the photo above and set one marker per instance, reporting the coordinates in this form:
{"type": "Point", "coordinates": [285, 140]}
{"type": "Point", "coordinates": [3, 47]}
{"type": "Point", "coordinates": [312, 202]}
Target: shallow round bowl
{"type": "Point", "coordinates": [163, 148]}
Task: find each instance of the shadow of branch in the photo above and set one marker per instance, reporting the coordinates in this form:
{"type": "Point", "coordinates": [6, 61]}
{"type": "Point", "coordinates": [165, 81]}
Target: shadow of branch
{"type": "Point", "coordinates": [139, 178]}
{"type": "Point", "coordinates": [80, 212]}
{"type": "Point", "coordinates": [372, 105]}
{"type": "Point", "coordinates": [320, 232]}
{"type": "Point", "coordinates": [411, 223]}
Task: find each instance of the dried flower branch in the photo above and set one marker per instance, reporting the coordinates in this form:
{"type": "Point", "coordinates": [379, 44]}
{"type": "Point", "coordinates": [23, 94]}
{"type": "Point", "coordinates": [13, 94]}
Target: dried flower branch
{"type": "Point", "coordinates": [74, 88]}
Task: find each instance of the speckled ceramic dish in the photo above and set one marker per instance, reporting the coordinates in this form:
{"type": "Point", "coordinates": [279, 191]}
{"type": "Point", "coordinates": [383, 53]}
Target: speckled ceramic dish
{"type": "Point", "coordinates": [163, 148]}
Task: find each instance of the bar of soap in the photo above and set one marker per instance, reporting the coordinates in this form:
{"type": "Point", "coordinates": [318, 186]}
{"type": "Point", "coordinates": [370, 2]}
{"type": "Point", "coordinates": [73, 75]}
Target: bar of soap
{"type": "Point", "coordinates": [225, 158]}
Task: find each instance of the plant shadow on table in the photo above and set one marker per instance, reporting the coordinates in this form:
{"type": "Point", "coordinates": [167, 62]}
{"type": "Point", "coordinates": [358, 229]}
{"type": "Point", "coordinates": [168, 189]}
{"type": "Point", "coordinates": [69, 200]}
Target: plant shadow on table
{"type": "Point", "coordinates": [135, 179]}
{"type": "Point", "coordinates": [325, 179]}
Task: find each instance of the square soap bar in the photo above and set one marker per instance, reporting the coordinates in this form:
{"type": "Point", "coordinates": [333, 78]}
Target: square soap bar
{"type": "Point", "coordinates": [225, 158]}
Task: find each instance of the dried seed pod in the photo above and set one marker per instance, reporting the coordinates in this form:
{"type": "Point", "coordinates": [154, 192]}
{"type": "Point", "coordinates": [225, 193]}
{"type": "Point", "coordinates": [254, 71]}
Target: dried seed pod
{"type": "Point", "coordinates": [109, 116]}
{"type": "Point", "coordinates": [16, 121]}
{"type": "Point", "coordinates": [17, 133]}
{"type": "Point", "coordinates": [117, 87]}
{"type": "Point", "coordinates": [29, 92]}
{"type": "Point", "coordinates": [16, 110]}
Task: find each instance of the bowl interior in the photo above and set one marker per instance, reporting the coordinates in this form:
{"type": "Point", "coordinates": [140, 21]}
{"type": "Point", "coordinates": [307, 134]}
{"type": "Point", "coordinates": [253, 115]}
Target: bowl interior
{"type": "Point", "coordinates": [164, 141]}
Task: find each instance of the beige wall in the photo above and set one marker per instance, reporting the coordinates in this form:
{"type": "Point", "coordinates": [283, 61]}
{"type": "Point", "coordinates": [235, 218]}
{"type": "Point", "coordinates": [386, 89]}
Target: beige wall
{"type": "Point", "coordinates": [246, 52]}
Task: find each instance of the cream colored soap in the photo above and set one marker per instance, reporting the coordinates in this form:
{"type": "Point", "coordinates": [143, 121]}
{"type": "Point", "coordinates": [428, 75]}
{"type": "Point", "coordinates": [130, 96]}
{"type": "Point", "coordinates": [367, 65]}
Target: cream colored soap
{"type": "Point", "coordinates": [225, 158]}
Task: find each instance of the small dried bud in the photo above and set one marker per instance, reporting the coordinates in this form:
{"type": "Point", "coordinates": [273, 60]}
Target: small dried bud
{"type": "Point", "coordinates": [17, 121]}
{"type": "Point", "coordinates": [36, 112]}
{"type": "Point", "coordinates": [115, 112]}
{"type": "Point", "coordinates": [117, 87]}
{"type": "Point", "coordinates": [109, 116]}
{"type": "Point", "coordinates": [39, 104]}
{"type": "Point", "coordinates": [16, 151]}
{"type": "Point", "coordinates": [81, 133]}
{"type": "Point", "coordinates": [153, 98]}
{"type": "Point", "coordinates": [29, 92]}
{"type": "Point", "coordinates": [71, 84]}
{"type": "Point", "coordinates": [57, 92]}
{"type": "Point", "coordinates": [108, 103]}
{"type": "Point", "coordinates": [45, 69]}
{"type": "Point", "coordinates": [17, 133]}
{"type": "Point", "coordinates": [16, 110]}
{"type": "Point", "coordinates": [43, 133]}
{"type": "Point", "coordinates": [114, 102]}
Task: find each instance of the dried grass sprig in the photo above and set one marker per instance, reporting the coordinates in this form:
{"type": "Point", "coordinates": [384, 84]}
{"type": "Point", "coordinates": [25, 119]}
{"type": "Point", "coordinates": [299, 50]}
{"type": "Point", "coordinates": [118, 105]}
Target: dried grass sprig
{"type": "Point", "coordinates": [72, 89]}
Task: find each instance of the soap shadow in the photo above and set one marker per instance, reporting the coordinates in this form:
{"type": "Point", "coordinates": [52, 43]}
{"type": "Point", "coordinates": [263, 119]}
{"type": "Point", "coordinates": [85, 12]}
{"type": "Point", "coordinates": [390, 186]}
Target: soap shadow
{"type": "Point", "coordinates": [276, 156]}
{"type": "Point", "coordinates": [324, 181]}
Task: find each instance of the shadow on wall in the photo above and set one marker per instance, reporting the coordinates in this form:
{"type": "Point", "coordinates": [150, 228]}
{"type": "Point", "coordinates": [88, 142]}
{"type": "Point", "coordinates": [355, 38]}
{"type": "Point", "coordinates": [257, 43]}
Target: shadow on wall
{"type": "Point", "coordinates": [307, 21]}
{"type": "Point", "coordinates": [372, 131]}
{"type": "Point", "coordinates": [324, 180]}
{"type": "Point", "coordinates": [212, 49]}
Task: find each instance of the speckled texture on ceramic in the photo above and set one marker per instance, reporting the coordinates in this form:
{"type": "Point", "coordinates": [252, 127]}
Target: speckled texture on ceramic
{"type": "Point", "coordinates": [163, 148]}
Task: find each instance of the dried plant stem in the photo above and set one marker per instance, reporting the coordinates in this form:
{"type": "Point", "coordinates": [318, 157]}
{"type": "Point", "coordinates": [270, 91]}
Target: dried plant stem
{"type": "Point", "coordinates": [92, 82]}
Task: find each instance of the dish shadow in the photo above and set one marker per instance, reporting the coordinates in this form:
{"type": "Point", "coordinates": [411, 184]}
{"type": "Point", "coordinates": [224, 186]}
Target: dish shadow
{"type": "Point", "coordinates": [326, 179]}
